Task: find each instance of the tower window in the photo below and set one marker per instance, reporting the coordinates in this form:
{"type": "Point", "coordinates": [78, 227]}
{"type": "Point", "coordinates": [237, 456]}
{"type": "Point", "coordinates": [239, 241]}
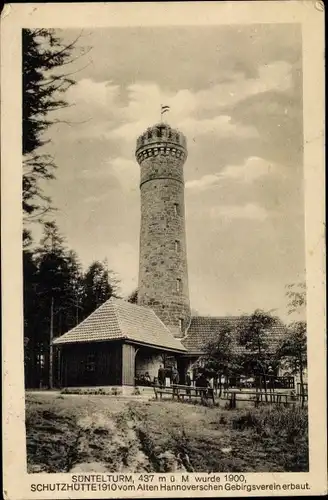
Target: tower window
{"type": "Point", "coordinates": [181, 324]}
{"type": "Point", "coordinates": [178, 285]}
{"type": "Point", "coordinates": [177, 246]}
{"type": "Point", "coordinates": [176, 209]}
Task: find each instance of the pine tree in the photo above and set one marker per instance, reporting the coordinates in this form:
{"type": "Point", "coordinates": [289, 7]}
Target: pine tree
{"type": "Point", "coordinates": [75, 290]}
{"type": "Point", "coordinates": [100, 284]}
{"type": "Point", "coordinates": [44, 84]}
{"type": "Point", "coordinates": [30, 309]}
{"type": "Point", "coordinates": [53, 283]}
{"type": "Point", "coordinates": [57, 296]}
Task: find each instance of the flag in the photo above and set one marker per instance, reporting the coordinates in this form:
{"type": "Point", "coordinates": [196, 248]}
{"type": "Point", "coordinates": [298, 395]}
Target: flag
{"type": "Point", "coordinates": [164, 109]}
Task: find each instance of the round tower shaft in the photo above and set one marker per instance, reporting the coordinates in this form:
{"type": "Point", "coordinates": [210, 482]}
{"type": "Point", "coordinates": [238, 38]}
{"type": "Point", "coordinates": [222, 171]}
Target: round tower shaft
{"type": "Point", "coordinates": [163, 275]}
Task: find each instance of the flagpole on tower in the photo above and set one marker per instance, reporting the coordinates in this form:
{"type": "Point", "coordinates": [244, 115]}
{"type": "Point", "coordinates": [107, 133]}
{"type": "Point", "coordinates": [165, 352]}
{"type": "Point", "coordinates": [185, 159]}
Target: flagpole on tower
{"type": "Point", "coordinates": [164, 109]}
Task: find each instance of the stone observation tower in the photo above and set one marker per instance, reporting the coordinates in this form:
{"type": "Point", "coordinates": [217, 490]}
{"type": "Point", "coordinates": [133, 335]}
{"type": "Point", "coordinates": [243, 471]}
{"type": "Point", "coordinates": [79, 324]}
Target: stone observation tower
{"type": "Point", "coordinates": [163, 275]}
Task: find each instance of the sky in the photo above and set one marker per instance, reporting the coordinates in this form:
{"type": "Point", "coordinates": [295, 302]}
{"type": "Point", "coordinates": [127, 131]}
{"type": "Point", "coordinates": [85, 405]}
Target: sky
{"type": "Point", "coordinates": [236, 94]}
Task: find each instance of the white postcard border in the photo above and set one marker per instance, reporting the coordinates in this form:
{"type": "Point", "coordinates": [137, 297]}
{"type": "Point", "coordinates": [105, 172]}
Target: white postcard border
{"type": "Point", "coordinates": [17, 16]}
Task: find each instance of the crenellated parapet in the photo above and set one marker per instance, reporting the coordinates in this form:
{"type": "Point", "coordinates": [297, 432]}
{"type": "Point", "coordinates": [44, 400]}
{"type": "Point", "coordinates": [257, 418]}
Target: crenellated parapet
{"type": "Point", "coordinates": [161, 139]}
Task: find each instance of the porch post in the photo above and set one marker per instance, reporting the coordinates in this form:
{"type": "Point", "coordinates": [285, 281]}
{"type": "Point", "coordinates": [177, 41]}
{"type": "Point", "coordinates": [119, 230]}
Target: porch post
{"type": "Point", "coordinates": [128, 364]}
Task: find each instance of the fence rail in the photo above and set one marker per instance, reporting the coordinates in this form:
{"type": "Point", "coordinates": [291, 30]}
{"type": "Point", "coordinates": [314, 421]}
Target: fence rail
{"type": "Point", "coordinates": [188, 393]}
{"type": "Point", "coordinates": [182, 392]}
{"type": "Point", "coordinates": [272, 382]}
{"type": "Point", "coordinates": [259, 397]}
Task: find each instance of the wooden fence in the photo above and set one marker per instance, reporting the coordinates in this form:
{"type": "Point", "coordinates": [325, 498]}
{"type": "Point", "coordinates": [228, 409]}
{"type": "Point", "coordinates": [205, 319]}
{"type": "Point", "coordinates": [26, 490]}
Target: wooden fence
{"type": "Point", "coordinates": [259, 397]}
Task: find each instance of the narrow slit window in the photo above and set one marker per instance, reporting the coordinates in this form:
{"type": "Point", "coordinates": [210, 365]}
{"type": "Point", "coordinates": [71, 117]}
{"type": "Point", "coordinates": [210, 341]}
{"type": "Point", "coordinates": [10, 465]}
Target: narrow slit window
{"type": "Point", "coordinates": [178, 285]}
{"type": "Point", "coordinates": [181, 324]}
{"type": "Point", "coordinates": [176, 209]}
{"type": "Point", "coordinates": [177, 246]}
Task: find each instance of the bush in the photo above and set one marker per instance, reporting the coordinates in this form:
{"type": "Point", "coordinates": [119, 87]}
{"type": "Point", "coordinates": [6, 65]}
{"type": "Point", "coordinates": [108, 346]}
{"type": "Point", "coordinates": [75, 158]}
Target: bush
{"type": "Point", "coordinates": [94, 392]}
{"type": "Point", "coordinates": [115, 391]}
{"type": "Point", "coordinates": [223, 420]}
{"type": "Point", "coordinates": [290, 422]}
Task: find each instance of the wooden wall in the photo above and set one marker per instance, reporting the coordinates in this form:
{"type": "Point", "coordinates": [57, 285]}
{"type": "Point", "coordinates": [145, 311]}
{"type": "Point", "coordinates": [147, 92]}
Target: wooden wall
{"type": "Point", "coordinates": [106, 363]}
{"type": "Point", "coordinates": [128, 364]}
{"type": "Point", "coordinates": [91, 364]}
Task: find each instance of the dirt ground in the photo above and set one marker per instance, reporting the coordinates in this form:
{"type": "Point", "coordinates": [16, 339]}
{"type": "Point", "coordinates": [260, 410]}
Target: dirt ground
{"type": "Point", "coordinates": [76, 433]}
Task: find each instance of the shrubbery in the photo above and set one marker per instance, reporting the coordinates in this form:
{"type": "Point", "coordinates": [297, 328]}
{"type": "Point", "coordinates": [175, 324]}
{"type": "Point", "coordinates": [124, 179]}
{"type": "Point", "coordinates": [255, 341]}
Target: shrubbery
{"type": "Point", "coordinates": [290, 422]}
{"type": "Point", "coordinates": [114, 391]}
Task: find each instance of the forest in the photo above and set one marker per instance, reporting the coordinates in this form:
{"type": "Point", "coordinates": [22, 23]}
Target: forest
{"type": "Point", "coordinates": [58, 293]}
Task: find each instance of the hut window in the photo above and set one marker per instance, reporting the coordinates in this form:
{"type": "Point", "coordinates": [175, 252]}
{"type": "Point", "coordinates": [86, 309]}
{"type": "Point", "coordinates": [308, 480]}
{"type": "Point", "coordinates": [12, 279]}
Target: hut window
{"type": "Point", "coordinates": [178, 285]}
{"type": "Point", "coordinates": [91, 363]}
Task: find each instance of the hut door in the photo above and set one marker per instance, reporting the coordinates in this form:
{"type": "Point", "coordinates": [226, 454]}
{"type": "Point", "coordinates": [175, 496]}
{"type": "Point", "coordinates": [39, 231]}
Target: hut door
{"type": "Point", "coordinates": [182, 368]}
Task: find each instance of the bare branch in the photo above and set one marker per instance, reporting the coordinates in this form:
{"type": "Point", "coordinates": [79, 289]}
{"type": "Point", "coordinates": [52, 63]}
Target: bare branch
{"type": "Point", "coordinates": [64, 76]}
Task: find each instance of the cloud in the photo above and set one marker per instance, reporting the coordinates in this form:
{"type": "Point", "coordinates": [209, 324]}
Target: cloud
{"type": "Point", "coordinates": [93, 93]}
{"type": "Point", "coordinates": [126, 172]}
{"type": "Point", "coordinates": [221, 126]}
{"type": "Point", "coordinates": [203, 183]}
{"type": "Point", "coordinates": [107, 116]}
{"type": "Point", "coordinates": [250, 211]}
{"type": "Point", "coordinates": [94, 173]}
{"type": "Point", "coordinates": [92, 111]}
{"type": "Point", "coordinates": [145, 98]}
{"type": "Point", "coordinates": [252, 169]}
{"type": "Point", "coordinates": [274, 76]}
{"type": "Point", "coordinates": [95, 199]}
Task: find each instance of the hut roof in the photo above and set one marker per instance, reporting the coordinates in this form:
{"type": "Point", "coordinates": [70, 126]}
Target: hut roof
{"type": "Point", "coordinates": [117, 319]}
{"type": "Point", "coordinates": [204, 329]}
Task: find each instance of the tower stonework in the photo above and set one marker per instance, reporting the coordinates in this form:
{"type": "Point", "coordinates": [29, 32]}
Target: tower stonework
{"type": "Point", "coordinates": [163, 275]}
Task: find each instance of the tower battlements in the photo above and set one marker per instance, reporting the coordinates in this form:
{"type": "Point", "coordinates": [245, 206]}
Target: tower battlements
{"type": "Point", "coordinates": [163, 275]}
{"type": "Point", "coordinates": [161, 139]}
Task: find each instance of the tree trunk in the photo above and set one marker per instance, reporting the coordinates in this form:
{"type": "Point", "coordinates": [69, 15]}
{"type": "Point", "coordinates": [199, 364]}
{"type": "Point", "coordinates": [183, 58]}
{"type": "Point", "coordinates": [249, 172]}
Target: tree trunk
{"type": "Point", "coordinates": [51, 352]}
{"type": "Point", "coordinates": [301, 380]}
{"type": "Point", "coordinates": [220, 385]}
{"type": "Point", "coordinates": [265, 387]}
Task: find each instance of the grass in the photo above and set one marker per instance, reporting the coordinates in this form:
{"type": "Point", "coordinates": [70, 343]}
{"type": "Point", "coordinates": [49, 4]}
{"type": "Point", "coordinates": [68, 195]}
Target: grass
{"type": "Point", "coordinates": [95, 432]}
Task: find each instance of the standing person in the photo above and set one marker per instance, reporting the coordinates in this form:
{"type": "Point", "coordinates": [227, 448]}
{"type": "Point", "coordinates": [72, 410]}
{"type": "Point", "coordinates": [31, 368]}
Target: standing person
{"type": "Point", "coordinates": [188, 382]}
{"type": "Point", "coordinates": [199, 382]}
{"type": "Point", "coordinates": [161, 376]}
{"type": "Point", "coordinates": [210, 390]}
{"type": "Point", "coordinates": [175, 380]}
{"type": "Point", "coordinates": [203, 384]}
{"type": "Point", "coordinates": [175, 376]}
